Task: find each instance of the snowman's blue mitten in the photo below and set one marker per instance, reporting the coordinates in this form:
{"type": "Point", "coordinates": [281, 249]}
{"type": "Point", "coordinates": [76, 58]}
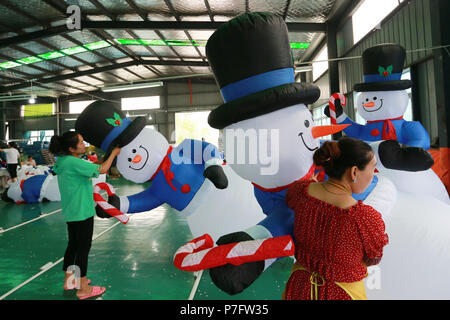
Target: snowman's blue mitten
{"type": "Point", "coordinates": [234, 279]}
{"type": "Point", "coordinates": [217, 176]}
{"type": "Point", "coordinates": [395, 156]}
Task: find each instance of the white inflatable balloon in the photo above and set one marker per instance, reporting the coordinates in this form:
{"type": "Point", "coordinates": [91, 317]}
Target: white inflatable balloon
{"type": "Point", "coordinates": [149, 147]}
{"type": "Point", "coordinates": [421, 183]}
{"type": "Point", "coordinates": [415, 262]}
{"type": "Point", "coordinates": [279, 148]}
{"type": "Point", "coordinates": [387, 104]}
{"type": "Point", "coordinates": [219, 212]}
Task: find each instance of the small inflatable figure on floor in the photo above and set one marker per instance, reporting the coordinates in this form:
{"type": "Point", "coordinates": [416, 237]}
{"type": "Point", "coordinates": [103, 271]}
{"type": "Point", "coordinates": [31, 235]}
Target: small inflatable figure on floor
{"type": "Point", "coordinates": [36, 188]}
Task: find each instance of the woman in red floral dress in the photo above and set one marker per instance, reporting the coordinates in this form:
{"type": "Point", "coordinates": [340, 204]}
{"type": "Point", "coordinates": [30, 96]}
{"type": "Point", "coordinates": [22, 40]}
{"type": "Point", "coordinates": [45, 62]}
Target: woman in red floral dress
{"type": "Point", "coordinates": [336, 237]}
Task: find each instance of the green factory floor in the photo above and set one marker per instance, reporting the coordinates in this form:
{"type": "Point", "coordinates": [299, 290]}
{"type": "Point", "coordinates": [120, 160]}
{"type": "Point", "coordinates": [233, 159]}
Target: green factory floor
{"type": "Point", "coordinates": [133, 261]}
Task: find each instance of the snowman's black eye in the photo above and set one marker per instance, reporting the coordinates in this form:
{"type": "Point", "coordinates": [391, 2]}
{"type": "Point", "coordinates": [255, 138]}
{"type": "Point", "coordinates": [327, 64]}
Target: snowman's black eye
{"type": "Point", "coordinates": [129, 159]}
{"type": "Point", "coordinates": [134, 150]}
{"type": "Point", "coordinates": [307, 123]}
{"type": "Point", "coordinates": [374, 98]}
{"type": "Point", "coordinates": [367, 99]}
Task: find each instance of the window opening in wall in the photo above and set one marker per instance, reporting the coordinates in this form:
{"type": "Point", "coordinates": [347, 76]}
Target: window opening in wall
{"type": "Point", "coordinates": [369, 15]}
{"type": "Point", "coordinates": [77, 107]}
{"type": "Point", "coordinates": [194, 125]}
{"type": "Point", "coordinates": [37, 110]}
{"type": "Point", "coordinates": [39, 135]}
{"type": "Point", "coordinates": [320, 67]}
{"type": "Point", "coordinates": [6, 131]}
{"type": "Point", "coordinates": [141, 103]}
{"type": "Point", "coordinates": [320, 119]}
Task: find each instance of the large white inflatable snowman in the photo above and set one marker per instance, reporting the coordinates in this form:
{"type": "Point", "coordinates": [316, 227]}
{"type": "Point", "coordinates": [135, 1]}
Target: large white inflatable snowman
{"type": "Point", "coordinates": [382, 102]}
{"type": "Point", "coordinates": [190, 177]}
{"type": "Point", "coordinates": [263, 102]}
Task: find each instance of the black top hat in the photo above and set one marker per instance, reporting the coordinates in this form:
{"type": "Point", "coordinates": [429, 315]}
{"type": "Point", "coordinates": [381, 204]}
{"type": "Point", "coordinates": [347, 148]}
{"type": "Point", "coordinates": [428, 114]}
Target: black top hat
{"type": "Point", "coordinates": [251, 58]}
{"type": "Point", "coordinates": [382, 68]}
{"type": "Point", "coordinates": [104, 125]}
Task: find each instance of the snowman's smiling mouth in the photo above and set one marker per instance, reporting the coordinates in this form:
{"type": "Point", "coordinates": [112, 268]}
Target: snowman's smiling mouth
{"type": "Point", "coordinates": [145, 162]}
{"type": "Point", "coordinates": [374, 109]}
{"type": "Point", "coordinates": [310, 149]}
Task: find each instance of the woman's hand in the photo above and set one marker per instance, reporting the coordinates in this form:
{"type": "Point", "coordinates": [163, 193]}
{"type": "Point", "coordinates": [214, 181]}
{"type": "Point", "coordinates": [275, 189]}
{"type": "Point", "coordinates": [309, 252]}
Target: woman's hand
{"type": "Point", "coordinates": [116, 151]}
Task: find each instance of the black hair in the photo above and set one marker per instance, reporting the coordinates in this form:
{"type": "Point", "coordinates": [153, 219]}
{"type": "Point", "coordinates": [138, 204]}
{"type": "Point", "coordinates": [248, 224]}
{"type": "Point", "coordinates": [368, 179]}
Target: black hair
{"type": "Point", "coordinates": [59, 145]}
{"type": "Point", "coordinates": [337, 156]}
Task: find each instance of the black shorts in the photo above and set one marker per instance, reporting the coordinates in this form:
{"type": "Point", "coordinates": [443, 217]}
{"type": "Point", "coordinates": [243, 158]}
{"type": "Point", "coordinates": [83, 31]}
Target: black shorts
{"type": "Point", "coordinates": [12, 169]}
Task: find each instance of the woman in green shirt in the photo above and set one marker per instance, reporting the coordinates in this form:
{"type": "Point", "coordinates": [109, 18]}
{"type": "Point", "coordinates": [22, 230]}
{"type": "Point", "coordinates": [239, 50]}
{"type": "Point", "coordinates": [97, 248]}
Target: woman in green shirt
{"type": "Point", "coordinates": [78, 206]}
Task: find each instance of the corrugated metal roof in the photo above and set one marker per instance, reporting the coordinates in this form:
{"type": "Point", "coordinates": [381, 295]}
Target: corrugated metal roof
{"type": "Point", "coordinates": [52, 52]}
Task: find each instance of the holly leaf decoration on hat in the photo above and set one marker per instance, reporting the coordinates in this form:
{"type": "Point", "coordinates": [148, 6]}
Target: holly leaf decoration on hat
{"type": "Point", "coordinates": [385, 72]}
{"type": "Point", "coordinates": [116, 122]}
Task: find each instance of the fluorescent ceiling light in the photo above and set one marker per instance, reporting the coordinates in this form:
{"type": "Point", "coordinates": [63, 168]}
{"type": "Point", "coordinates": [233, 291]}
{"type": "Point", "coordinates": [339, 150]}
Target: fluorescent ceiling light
{"type": "Point", "coordinates": [125, 42]}
{"type": "Point", "coordinates": [70, 119]}
{"type": "Point", "coordinates": [15, 97]}
{"type": "Point", "coordinates": [133, 86]}
{"type": "Point", "coordinates": [135, 115]}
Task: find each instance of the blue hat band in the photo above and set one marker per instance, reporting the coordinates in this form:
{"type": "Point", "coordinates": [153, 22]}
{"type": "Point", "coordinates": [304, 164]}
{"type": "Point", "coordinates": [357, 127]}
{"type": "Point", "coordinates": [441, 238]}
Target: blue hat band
{"type": "Point", "coordinates": [382, 78]}
{"type": "Point", "coordinates": [257, 83]}
{"type": "Point", "coordinates": [114, 133]}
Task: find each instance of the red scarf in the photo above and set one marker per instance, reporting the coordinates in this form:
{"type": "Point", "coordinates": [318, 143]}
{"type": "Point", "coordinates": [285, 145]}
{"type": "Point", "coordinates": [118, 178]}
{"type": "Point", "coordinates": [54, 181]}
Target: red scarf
{"type": "Point", "coordinates": [388, 132]}
{"type": "Point", "coordinates": [165, 167]}
{"type": "Point", "coordinates": [278, 189]}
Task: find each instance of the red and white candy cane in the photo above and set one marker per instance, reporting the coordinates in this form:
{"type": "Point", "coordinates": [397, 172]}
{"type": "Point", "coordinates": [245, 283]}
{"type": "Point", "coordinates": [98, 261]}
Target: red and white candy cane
{"type": "Point", "coordinates": [108, 208]}
{"type": "Point", "coordinates": [200, 253]}
{"type": "Point", "coordinates": [333, 98]}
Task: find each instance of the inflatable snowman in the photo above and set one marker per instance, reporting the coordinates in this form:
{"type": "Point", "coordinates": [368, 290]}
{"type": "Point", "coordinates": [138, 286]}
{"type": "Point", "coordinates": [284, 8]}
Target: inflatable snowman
{"type": "Point", "coordinates": [261, 98]}
{"type": "Point", "coordinates": [190, 177]}
{"type": "Point", "coordinates": [27, 170]}
{"type": "Point", "coordinates": [382, 102]}
{"type": "Point", "coordinates": [33, 188]}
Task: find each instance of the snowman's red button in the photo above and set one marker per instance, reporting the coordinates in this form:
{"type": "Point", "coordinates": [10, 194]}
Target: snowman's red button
{"type": "Point", "coordinates": [375, 132]}
{"type": "Point", "coordinates": [185, 188]}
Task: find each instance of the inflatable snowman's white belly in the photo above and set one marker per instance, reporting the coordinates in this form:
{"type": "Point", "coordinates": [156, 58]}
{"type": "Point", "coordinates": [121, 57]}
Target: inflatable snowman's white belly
{"type": "Point", "coordinates": [420, 183]}
{"type": "Point", "coordinates": [218, 212]}
{"type": "Point", "coordinates": [415, 262]}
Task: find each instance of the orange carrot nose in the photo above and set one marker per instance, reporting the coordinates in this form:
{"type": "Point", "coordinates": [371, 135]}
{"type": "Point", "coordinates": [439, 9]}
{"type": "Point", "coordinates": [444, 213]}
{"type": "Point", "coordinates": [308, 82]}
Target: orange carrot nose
{"type": "Point", "coordinates": [137, 158]}
{"type": "Point", "coordinates": [320, 131]}
{"type": "Point", "coordinates": [369, 104]}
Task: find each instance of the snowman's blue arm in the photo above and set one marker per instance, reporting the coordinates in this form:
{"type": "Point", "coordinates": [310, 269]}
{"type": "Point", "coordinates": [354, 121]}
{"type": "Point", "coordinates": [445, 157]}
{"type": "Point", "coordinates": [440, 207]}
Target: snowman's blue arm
{"type": "Point", "coordinates": [201, 151]}
{"type": "Point", "coordinates": [355, 130]}
{"type": "Point", "coordinates": [143, 201]}
{"type": "Point", "coordinates": [415, 135]}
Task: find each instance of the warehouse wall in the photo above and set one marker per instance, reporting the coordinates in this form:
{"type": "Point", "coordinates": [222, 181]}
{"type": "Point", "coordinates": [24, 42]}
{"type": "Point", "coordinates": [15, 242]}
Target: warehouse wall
{"type": "Point", "coordinates": [175, 97]}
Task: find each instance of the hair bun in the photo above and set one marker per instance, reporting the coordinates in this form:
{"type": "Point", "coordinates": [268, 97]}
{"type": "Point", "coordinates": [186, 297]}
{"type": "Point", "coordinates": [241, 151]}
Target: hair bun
{"type": "Point", "coordinates": [327, 153]}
